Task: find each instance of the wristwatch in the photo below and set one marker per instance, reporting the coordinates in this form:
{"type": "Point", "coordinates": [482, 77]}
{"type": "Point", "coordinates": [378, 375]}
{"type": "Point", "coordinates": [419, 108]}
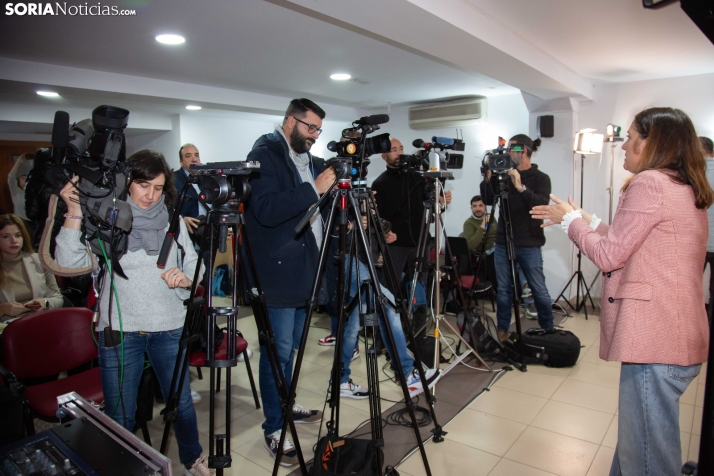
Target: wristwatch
{"type": "Point", "coordinates": [523, 188]}
{"type": "Point", "coordinates": [47, 304]}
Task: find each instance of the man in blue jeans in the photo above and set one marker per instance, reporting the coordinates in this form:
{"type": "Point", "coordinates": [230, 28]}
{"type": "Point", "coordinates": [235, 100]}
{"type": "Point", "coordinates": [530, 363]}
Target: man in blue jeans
{"type": "Point", "coordinates": [290, 180]}
{"type": "Point", "coordinates": [359, 273]}
{"type": "Point", "coordinates": [527, 187]}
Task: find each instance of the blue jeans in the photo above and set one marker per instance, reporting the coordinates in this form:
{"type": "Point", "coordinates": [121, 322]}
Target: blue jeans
{"type": "Point", "coordinates": [648, 419]}
{"type": "Point", "coordinates": [352, 325]}
{"type": "Point", "coordinates": [530, 260]}
{"type": "Point", "coordinates": [287, 324]}
{"type": "Point", "coordinates": [162, 349]}
{"type": "Point", "coordinates": [522, 279]}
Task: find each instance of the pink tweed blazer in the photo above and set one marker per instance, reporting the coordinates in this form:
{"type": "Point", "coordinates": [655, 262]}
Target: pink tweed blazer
{"type": "Point", "coordinates": [651, 257]}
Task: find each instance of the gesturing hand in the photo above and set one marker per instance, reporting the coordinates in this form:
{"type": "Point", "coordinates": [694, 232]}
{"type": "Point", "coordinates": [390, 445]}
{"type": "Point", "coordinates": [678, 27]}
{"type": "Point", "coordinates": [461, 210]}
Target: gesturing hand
{"type": "Point", "coordinates": [554, 213]}
{"type": "Point", "coordinates": [175, 278]}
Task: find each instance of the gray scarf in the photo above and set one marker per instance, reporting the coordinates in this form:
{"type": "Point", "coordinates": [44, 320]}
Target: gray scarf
{"type": "Point", "coordinates": [148, 227]}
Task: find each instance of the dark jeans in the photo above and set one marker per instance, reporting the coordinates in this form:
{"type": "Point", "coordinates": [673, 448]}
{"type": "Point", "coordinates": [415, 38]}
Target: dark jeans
{"type": "Point", "coordinates": [162, 349]}
{"type": "Point", "coordinates": [530, 260]}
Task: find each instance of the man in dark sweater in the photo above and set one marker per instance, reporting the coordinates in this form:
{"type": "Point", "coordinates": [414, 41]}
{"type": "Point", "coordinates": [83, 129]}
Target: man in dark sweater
{"type": "Point", "coordinates": [528, 187]}
{"type": "Point", "coordinates": [290, 180]}
{"type": "Point", "coordinates": [400, 200]}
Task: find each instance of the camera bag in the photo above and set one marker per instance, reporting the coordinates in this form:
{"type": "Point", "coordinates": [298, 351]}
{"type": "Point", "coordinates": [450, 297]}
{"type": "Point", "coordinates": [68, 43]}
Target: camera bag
{"type": "Point", "coordinates": [337, 456]}
{"type": "Point", "coordinates": [550, 347]}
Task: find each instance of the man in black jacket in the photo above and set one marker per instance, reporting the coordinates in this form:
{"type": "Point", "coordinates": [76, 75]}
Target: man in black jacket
{"type": "Point", "coordinates": [528, 187]}
{"type": "Point", "coordinates": [191, 208]}
{"type": "Point", "coordinates": [400, 195]}
{"type": "Point", "coordinates": [289, 181]}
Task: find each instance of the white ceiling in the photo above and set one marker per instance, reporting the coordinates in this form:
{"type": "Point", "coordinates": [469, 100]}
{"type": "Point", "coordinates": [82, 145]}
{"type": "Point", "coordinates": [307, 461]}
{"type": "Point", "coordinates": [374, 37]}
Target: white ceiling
{"type": "Point", "coordinates": [608, 40]}
{"type": "Point", "coordinates": [400, 51]}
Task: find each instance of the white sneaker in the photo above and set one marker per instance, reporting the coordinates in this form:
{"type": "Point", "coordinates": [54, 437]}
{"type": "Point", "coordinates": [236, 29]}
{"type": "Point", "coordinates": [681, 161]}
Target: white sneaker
{"type": "Point", "coordinates": [355, 354]}
{"type": "Point", "coordinates": [241, 357]}
{"type": "Point", "coordinates": [414, 382]}
{"type": "Point", "coordinates": [350, 389]}
{"type": "Point", "coordinates": [289, 456]}
{"type": "Point", "coordinates": [195, 396]}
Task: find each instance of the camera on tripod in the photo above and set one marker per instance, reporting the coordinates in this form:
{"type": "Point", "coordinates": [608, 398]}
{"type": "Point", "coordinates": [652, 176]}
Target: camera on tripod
{"type": "Point", "coordinates": [223, 182]}
{"type": "Point", "coordinates": [354, 150]}
{"type": "Point", "coordinates": [95, 150]}
{"type": "Point", "coordinates": [499, 160]}
{"type": "Point", "coordinates": [434, 156]}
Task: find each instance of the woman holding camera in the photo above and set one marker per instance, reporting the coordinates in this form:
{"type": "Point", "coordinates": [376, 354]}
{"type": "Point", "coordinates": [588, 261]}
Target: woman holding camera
{"type": "Point", "coordinates": [148, 306]}
{"type": "Point", "coordinates": [652, 255]}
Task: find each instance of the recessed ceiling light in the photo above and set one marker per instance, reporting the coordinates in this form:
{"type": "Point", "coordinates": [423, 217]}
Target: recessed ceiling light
{"type": "Point", "coordinates": [340, 76]}
{"type": "Point", "coordinates": [171, 39]}
{"type": "Point", "coordinates": [193, 108]}
{"type": "Point", "coordinates": [48, 94]}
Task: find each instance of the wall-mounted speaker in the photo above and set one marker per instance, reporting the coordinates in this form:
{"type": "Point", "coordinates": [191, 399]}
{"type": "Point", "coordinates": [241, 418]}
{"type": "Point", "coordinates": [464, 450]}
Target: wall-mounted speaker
{"type": "Point", "coordinates": [545, 126]}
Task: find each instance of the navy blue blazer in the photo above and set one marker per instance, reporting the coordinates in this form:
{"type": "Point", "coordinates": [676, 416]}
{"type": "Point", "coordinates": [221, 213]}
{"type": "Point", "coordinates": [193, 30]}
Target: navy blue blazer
{"type": "Point", "coordinates": [279, 199]}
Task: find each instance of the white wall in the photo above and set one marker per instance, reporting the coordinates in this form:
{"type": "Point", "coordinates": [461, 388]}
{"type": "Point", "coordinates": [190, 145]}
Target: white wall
{"type": "Point", "coordinates": [222, 139]}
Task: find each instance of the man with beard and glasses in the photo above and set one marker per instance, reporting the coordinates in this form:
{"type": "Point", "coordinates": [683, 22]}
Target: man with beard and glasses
{"type": "Point", "coordinates": [289, 181]}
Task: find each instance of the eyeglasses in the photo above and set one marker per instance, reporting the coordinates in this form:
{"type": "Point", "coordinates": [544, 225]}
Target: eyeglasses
{"type": "Point", "coordinates": [311, 128]}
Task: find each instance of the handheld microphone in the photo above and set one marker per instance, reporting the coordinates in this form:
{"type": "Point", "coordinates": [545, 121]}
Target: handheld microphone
{"type": "Point", "coordinates": [373, 120]}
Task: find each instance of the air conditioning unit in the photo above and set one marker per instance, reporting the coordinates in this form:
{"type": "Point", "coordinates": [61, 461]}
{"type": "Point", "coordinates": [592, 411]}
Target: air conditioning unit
{"type": "Point", "coordinates": [457, 113]}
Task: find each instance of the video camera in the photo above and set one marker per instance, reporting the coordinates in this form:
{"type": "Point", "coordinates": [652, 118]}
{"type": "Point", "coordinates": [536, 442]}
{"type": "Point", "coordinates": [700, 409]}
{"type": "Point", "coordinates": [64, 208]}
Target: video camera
{"type": "Point", "coordinates": [223, 182]}
{"type": "Point", "coordinates": [353, 152]}
{"type": "Point", "coordinates": [499, 160]}
{"type": "Point", "coordinates": [434, 156]}
{"type": "Point", "coordinates": [95, 150]}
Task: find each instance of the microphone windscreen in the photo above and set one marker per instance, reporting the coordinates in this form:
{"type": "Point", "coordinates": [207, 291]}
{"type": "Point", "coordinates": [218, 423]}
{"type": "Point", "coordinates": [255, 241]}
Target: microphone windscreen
{"type": "Point", "coordinates": [443, 140]}
{"type": "Point", "coordinates": [60, 130]}
{"type": "Point", "coordinates": [418, 143]}
{"type": "Point", "coordinates": [375, 119]}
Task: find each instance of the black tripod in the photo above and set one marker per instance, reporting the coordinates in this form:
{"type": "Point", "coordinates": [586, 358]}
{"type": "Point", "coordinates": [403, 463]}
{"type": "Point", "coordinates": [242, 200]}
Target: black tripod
{"type": "Point", "coordinates": [432, 214]}
{"type": "Point", "coordinates": [220, 217]}
{"type": "Point", "coordinates": [502, 201]}
{"type": "Point", "coordinates": [345, 203]}
{"type": "Point", "coordinates": [581, 283]}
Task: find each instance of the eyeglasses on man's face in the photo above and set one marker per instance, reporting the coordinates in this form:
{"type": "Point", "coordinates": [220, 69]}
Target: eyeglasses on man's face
{"type": "Point", "coordinates": [311, 128]}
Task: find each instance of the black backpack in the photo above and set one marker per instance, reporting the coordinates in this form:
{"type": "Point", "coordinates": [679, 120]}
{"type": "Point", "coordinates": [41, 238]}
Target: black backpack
{"type": "Point", "coordinates": [551, 347]}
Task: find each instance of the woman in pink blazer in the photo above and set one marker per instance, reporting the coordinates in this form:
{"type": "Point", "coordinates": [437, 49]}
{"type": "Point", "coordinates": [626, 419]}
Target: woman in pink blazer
{"type": "Point", "coordinates": [653, 318]}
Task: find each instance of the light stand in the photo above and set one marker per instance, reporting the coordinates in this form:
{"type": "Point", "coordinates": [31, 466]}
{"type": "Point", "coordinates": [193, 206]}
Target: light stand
{"type": "Point", "coordinates": [613, 136]}
{"type": "Point", "coordinates": [586, 143]}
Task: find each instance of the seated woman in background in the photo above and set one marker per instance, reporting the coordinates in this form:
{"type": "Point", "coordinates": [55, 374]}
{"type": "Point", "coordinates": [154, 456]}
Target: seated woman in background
{"type": "Point", "coordinates": [24, 284]}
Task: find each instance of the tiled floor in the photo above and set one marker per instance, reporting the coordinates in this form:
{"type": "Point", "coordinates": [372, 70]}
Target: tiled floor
{"type": "Point", "coordinates": [542, 422]}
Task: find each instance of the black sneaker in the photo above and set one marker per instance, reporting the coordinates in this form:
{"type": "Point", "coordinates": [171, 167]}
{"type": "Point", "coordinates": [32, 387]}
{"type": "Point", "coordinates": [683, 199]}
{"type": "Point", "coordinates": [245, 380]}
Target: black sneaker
{"type": "Point", "coordinates": [482, 286]}
{"type": "Point", "coordinates": [289, 456]}
{"type": "Point", "coordinates": [452, 308]}
{"type": "Point", "coordinates": [303, 415]}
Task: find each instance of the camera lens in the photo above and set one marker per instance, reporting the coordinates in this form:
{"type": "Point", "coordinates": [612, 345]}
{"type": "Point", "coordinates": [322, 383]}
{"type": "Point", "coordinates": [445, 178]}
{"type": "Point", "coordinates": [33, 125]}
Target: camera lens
{"type": "Point", "coordinates": [500, 162]}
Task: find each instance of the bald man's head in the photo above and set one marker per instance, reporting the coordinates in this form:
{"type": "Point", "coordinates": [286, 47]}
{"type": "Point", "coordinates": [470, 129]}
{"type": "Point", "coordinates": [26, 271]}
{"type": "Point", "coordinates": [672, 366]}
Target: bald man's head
{"type": "Point", "coordinates": [392, 157]}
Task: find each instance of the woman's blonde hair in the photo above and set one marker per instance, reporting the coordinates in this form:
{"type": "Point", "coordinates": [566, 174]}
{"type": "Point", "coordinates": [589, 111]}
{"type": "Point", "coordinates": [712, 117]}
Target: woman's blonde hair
{"type": "Point", "coordinates": [673, 146]}
{"type": "Point", "coordinates": [7, 220]}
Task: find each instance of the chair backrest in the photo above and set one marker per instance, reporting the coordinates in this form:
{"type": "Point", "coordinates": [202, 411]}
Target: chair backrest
{"type": "Point", "coordinates": [460, 249]}
{"type": "Point", "coordinates": [49, 342]}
